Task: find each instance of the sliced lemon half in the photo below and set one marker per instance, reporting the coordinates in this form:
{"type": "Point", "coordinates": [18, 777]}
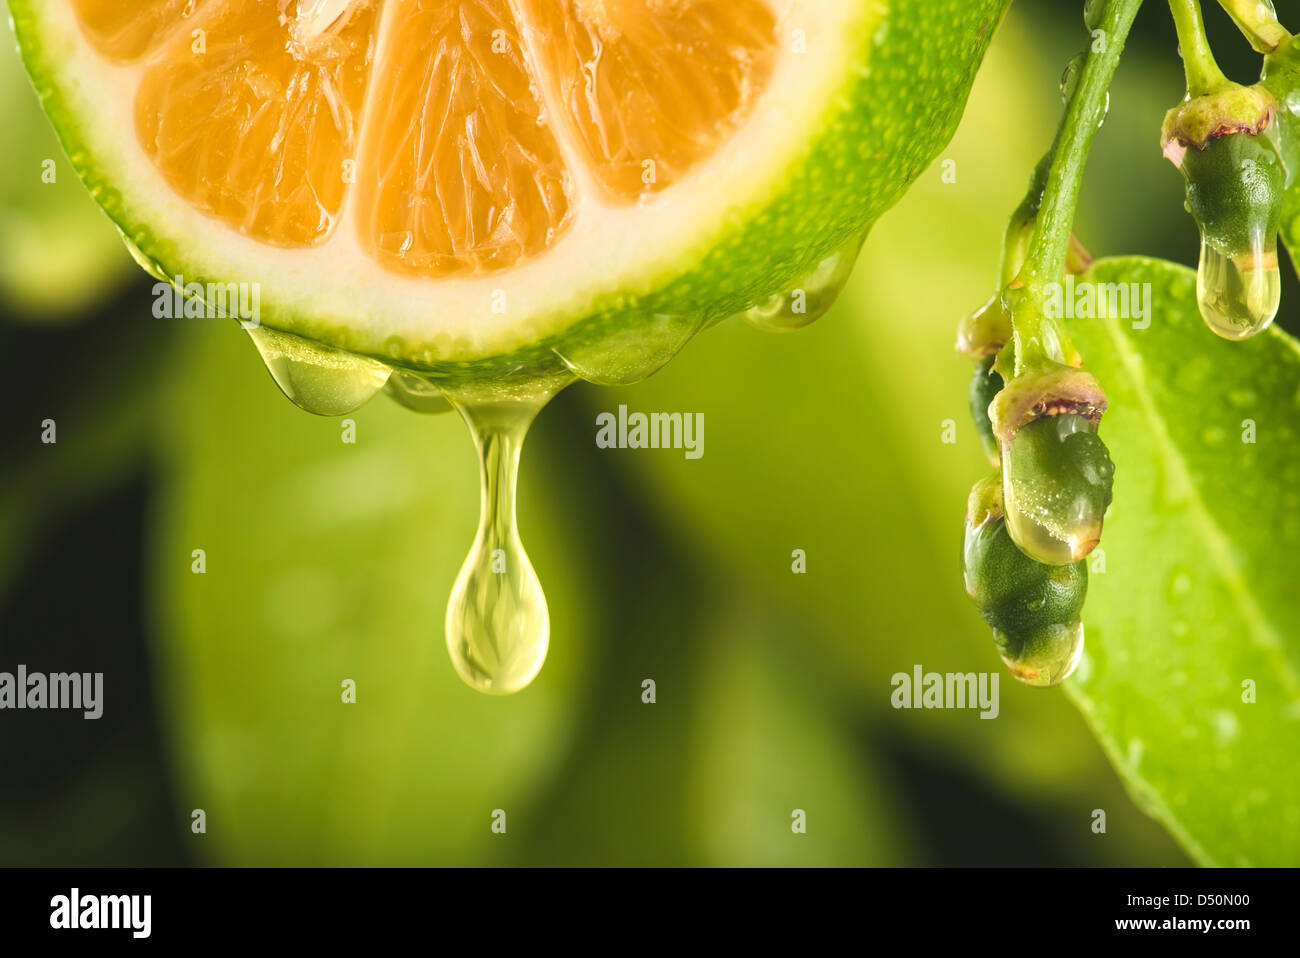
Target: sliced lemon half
{"type": "Point", "coordinates": [495, 187]}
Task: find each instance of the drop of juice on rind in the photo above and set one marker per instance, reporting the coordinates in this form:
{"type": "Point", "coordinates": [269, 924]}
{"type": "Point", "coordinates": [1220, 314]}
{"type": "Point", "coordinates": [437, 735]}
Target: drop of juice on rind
{"type": "Point", "coordinates": [811, 298]}
{"type": "Point", "coordinates": [629, 355]}
{"type": "Point", "coordinates": [318, 379]}
{"type": "Point", "coordinates": [415, 393]}
{"type": "Point", "coordinates": [1238, 295]}
{"type": "Point", "coordinates": [497, 623]}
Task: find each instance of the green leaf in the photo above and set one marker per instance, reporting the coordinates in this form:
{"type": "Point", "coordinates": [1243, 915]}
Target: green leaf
{"type": "Point", "coordinates": [770, 753]}
{"type": "Point", "coordinates": [328, 561]}
{"type": "Point", "coordinates": [1190, 673]}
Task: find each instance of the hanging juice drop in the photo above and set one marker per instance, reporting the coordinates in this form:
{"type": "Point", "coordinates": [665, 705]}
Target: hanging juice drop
{"type": "Point", "coordinates": [415, 393]}
{"type": "Point", "coordinates": [624, 357]}
{"type": "Point", "coordinates": [498, 626]}
{"type": "Point", "coordinates": [1238, 295]}
{"type": "Point", "coordinates": [811, 298]}
{"type": "Point", "coordinates": [319, 379]}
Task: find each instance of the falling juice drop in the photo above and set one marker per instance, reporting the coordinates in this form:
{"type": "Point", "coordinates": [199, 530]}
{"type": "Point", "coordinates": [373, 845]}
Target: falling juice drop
{"type": "Point", "coordinates": [498, 627]}
{"type": "Point", "coordinates": [1238, 295]}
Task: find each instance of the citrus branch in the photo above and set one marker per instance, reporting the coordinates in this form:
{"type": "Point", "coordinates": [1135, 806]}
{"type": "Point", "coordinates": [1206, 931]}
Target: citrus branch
{"type": "Point", "coordinates": [1203, 73]}
{"type": "Point", "coordinates": [1036, 338]}
{"type": "Point", "coordinates": [1258, 22]}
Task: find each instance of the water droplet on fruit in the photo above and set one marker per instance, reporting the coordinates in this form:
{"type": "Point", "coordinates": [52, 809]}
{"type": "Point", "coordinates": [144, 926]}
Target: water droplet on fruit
{"type": "Point", "coordinates": [1238, 295]}
{"type": "Point", "coordinates": [498, 626]}
{"type": "Point", "coordinates": [620, 357]}
{"type": "Point", "coordinates": [809, 299]}
{"type": "Point", "coordinates": [1048, 658]}
{"type": "Point", "coordinates": [1056, 488]}
{"type": "Point", "coordinates": [319, 379]}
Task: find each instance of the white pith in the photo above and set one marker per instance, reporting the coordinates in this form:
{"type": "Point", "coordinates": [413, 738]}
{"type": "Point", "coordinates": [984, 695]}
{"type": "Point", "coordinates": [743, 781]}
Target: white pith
{"type": "Point", "coordinates": [608, 248]}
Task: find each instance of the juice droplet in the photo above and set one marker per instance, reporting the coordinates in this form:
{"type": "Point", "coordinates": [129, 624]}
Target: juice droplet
{"type": "Point", "coordinates": [624, 356]}
{"type": "Point", "coordinates": [1238, 295]}
{"type": "Point", "coordinates": [319, 379]}
{"type": "Point", "coordinates": [812, 298]}
{"type": "Point", "coordinates": [415, 393]}
{"type": "Point", "coordinates": [145, 261]}
{"type": "Point", "coordinates": [316, 17]}
{"type": "Point", "coordinates": [1048, 658]}
{"type": "Point", "coordinates": [498, 627]}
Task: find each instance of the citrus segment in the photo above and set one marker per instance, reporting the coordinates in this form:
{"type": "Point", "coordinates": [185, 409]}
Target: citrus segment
{"type": "Point", "coordinates": [459, 172]}
{"type": "Point", "coordinates": [651, 87]}
{"type": "Point", "coordinates": [126, 31]}
{"type": "Point", "coordinates": [254, 119]}
{"type": "Point", "coordinates": [253, 116]}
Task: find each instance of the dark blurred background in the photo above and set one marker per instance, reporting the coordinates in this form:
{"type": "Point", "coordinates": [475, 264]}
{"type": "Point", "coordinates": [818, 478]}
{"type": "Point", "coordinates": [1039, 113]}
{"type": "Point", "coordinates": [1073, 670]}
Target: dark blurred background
{"type": "Point", "coordinates": [329, 561]}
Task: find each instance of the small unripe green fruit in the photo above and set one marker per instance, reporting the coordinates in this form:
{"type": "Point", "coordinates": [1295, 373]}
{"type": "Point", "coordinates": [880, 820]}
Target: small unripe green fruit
{"type": "Point", "coordinates": [1032, 608]}
{"type": "Point", "coordinates": [984, 385]}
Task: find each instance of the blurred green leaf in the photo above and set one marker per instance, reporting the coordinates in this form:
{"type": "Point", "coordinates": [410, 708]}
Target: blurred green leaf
{"type": "Point", "coordinates": [1197, 602]}
{"type": "Point", "coordinates": [767, 745]}
{"type": "Point", "coordinates": [328, 561]}
{"type": "Point", "coordinates": [58, 251]}
{"type": "Point", "coordinates": [100, 398]}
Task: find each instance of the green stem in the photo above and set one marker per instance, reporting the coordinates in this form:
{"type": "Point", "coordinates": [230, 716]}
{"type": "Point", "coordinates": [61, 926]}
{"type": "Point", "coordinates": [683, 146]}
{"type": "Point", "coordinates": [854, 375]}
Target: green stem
{"type": "Point", "coordinates": [1036, 338]}
{"type": "Point", "coordinates": [1203, 73]}
{"type": "Point", "coordinates": [1258, 22]}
